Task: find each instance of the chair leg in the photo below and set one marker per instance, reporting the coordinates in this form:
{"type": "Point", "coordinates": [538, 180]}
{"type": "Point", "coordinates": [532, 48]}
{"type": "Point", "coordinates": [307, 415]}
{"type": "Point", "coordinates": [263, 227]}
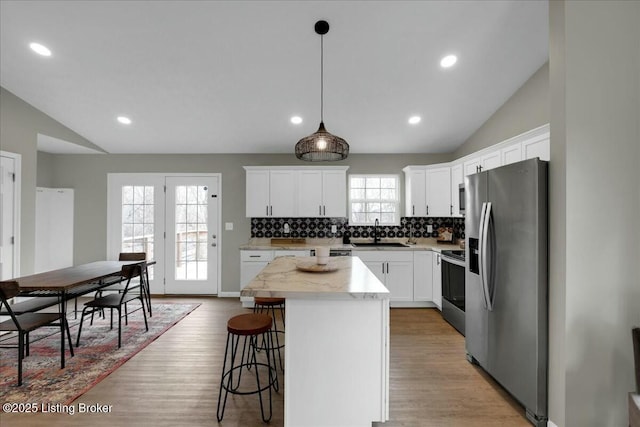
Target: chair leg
{"type": "Point", "coordinates": [119, 326]}
{"type": "Point", "coordinates": [20, 355]}
{"type": "Point", "coordinates": [146, 325]}
{"type": "Point", "coordinates": [66, 324]}
{"type": "Point", "coordinates": [80, 327]}
{"type": "Point", "coordinates": [220, 414]}
{"type": "Point", "coordinates": [26, 344]}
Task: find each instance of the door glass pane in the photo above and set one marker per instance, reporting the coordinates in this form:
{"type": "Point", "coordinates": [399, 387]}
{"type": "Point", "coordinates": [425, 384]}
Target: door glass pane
{"type": "Point", "coordinates": [191, 232]}
{"type": "Point", "coordinates": [138, 224]}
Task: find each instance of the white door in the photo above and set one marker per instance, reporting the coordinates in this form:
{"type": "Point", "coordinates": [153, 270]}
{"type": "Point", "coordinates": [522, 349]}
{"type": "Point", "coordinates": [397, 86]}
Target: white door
{"type": "Point", "coordinates": [310, 194]}
{"type": "Point", "coordinates": [439, 192]}
{"type": "Point", "coordinates": [192, 235]}
{"type": "Point", "coordinates": [8, 229]}
{"type": "Point", "coordinates": [334, 190]}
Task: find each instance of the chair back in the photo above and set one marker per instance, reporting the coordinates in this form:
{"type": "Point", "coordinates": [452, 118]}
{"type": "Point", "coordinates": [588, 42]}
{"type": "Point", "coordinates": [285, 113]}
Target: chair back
{"type": "Point", "coordinates": [635, 332]}
{"type": "Point", "coordinates": [132, 256]}
{"type": "Point", "coordinates": [130, 271]}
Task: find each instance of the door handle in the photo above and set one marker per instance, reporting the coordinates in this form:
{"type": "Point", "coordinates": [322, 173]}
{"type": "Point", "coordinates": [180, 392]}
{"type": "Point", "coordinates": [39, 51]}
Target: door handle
{"type": "Point", "coordinates": [324, 210]}
{"type": "Point", "coordinates": [427, 209]}
{"type": "Point", "coordinates": [413, 210]}
{"type": "Point", "coordinates": [213, 236]}
{"type": "Point", "coordinates": [271, 210]}
{"type": "Point", "coordinates": [213, 244]}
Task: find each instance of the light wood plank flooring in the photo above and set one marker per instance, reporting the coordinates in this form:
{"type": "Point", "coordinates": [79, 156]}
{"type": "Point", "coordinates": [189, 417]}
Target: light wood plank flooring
{"type": "Point", "coordinates": [174, 381]}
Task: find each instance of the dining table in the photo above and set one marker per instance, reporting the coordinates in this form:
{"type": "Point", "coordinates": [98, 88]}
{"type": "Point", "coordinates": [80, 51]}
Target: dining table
{"type": "Point", "coordinates": [65, 281]}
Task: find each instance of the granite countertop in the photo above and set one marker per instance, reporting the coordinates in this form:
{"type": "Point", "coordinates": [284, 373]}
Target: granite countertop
{"type": "Point", "coordinates": [424, 244]}
{"type": "Point", "coordinates": [282, 279]}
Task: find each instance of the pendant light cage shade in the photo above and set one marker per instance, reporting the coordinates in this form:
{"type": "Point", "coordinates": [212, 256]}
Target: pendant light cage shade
{"type": "Point", "coordinates": [322, 146]}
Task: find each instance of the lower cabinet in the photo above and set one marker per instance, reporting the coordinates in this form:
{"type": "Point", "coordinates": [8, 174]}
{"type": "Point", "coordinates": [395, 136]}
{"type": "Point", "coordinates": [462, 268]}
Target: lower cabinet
{"type": "Point", "coordinates": [394, 269]}
{"type": "Point", "coordinates": [437, 280]}
{"type": "Point", "coordinates": [422, 276]}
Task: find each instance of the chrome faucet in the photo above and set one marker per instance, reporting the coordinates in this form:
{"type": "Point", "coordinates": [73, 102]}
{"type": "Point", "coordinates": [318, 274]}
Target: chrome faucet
{"type": "Point", "coordinates": [376, 238]}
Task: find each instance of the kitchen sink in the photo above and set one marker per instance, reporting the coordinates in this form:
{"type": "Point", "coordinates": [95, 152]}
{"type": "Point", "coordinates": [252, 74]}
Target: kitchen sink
{"type": "Point", "coordinates": [380, 245]}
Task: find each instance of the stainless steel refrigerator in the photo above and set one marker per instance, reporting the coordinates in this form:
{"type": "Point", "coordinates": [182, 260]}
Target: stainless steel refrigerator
{"type": "Point", "coordinates": [506, 280]}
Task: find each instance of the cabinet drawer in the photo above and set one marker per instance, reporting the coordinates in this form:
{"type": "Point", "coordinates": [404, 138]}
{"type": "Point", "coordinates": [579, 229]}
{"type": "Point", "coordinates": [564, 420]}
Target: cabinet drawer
{"type": "Point", "coordinates": [256, 256]}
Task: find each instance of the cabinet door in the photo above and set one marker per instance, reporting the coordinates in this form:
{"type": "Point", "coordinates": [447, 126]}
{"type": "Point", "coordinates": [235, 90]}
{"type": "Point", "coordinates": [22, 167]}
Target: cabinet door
{"type": "Point", "coordinates": [399, 280]}
{"type": "Point", "coordinates": [472, 166]}
{"type": "Point", "coordinates": [416, 193]}
{"type": "Point", "coordinates": [282, 191]}
{"type": "Point", "coordinates": [538, 147]}
{"type": "Point", "coordinates": [511, 154]}
{"type": "Point", "coordinates": [437, 280]}
{"type": "Point", "coordinates": [491, 161]}
{"type": "Point", "coordinates": [257, 194]}
{"type": "Point", "coordinates": [423, 276]}
{"type": "Point", "coordinates": [334, 193]}
{"type": "Point", "coordinates": [310, 193]}
{"type": "Point", "coordinates": [457, 178]}
{"type": "Point", "coordinates": [439, 192]}
{"type": "Point", "coordinates": [378, 268]}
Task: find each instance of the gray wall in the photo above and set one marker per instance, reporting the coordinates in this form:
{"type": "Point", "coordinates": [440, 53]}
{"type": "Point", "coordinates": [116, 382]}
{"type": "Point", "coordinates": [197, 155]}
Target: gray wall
{"type": "Point", "coordinates": [20, 124]}
{"type": "Point", "coordinates": [87, 174]}
{"type": "Point", "coordinates": [595, 133]}
{"type": "Point", "coordinates": [527, 109]}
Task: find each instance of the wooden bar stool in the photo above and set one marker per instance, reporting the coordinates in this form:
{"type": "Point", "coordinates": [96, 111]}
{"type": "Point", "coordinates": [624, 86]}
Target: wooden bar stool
{"type": "Point", "coordinates": [250, 327]}
{"type": "Point", "coordinates": [269, 306]}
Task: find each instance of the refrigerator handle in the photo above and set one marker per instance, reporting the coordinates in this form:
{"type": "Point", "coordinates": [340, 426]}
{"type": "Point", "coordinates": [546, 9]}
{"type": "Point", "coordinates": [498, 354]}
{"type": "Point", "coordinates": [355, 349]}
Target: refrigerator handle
{"type": "Point", "coordinates": [484, 258]}
{"type": "Point", "coordinates": [481, 254]}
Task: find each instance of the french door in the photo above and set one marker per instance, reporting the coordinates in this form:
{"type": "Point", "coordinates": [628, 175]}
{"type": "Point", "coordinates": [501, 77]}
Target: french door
{"type": "Point", "coordinates": [192, 235]}
{"type": "Point", "coordinates": [175, 219]}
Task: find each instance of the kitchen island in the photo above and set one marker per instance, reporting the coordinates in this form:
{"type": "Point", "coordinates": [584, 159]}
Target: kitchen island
{"type": "Point", "coordinates": [336, 340]}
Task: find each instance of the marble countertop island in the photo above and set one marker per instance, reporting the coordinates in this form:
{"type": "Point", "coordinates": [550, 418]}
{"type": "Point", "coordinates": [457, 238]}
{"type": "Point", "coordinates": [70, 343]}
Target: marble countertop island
{"type": "Point", "coordinates": [351, 279]}
{"type": "Point", "coordinates": [336, 340]}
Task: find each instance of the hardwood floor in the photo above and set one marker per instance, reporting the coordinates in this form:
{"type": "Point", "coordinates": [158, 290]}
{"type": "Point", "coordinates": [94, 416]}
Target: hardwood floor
{"type": "Point", "coordinates": [174, 381]}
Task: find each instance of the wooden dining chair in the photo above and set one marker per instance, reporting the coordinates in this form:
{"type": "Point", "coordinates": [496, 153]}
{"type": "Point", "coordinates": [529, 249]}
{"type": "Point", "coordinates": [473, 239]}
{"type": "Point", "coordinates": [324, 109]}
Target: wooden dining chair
{"type": "Point", "coordinates": [28, 321]}
{"type": "Point", "coordinates": [118, 301]}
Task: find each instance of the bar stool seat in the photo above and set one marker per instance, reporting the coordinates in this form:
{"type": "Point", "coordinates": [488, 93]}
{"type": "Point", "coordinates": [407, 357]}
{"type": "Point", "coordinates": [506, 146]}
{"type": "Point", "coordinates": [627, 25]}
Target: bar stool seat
{"type": "Point", "coordinates": [268, 301]}
{"type": "Point", "coordinates": [250, 326]}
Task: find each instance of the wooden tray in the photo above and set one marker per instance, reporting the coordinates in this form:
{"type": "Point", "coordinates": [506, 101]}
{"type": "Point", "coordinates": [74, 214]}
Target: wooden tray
{"type": "Point", "coordinates": [312, 267]}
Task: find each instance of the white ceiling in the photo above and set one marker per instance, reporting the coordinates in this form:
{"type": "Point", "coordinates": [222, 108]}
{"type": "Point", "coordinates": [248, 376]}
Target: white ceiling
{"type": "Point", "coordinates": [225, 77]}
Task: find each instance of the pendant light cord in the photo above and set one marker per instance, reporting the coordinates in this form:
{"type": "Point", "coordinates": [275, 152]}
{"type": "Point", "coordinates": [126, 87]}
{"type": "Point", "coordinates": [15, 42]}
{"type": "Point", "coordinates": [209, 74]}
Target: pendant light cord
{"type": "Point", "coordinates": [322, 78]}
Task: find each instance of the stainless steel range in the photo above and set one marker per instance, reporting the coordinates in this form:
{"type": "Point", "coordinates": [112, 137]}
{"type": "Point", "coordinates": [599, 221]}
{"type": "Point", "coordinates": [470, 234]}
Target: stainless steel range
{"type": "Point", "coordinates": [453, 295]}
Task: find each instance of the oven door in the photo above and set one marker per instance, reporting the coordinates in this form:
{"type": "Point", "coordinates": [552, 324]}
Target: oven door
{"type": "Point", "coordinates": [453, 301]}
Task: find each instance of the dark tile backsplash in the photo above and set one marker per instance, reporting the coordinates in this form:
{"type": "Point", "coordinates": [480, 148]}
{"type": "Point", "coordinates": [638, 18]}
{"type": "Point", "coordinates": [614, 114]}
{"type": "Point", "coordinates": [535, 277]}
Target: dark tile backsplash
{"type": "Point", "coordinates": [321, 227]}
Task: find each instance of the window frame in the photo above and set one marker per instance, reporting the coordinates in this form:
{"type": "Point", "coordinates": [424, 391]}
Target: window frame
{"type": "Point", "coordinates": [397, 202]}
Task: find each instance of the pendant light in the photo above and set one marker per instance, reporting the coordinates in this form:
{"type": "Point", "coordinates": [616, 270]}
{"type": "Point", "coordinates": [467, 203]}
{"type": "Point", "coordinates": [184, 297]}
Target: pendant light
{"type": "Point", "coordinates": [322, 146]}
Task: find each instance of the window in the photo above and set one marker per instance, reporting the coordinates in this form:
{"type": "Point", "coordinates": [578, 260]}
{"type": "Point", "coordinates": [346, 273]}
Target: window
{"type": "Point", "coordinates": [374, 197]}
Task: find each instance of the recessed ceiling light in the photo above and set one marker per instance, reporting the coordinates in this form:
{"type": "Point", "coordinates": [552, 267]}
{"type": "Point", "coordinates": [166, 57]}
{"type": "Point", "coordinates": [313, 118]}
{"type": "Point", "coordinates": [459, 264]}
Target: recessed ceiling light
{"type": "Point", "coordinates": [414, 120]}
{"type": "Point", "coordinates": [448, 61]}
{"type": "Point", "coordinates": [124, 120]}
{"type": "Point", "coordinates": [296, 120]}
{"type": "Point", "coordinates": [40, 49]}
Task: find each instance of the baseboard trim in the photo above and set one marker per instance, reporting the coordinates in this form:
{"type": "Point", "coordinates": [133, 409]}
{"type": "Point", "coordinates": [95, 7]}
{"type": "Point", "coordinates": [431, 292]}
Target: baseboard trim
{"type": "Point", "coordinates": [229, 294]}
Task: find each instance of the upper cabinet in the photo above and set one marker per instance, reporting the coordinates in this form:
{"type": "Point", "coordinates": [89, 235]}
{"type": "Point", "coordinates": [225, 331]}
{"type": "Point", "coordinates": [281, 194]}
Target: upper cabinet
{"type": "Point", "coordinates": [322, 193]}
{"type": "Point", "coordinates": [423, 191]}
{"type": "Point", "coordinates": [434, 190]}
{"type": "Point", "coordinates": [282, 191]}
{"type": "Point", "coordinates": [270, 193]}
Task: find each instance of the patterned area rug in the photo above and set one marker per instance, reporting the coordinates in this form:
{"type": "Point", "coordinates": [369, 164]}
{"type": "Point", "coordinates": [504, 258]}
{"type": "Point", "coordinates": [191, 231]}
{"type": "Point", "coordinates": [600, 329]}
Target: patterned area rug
{"type": "Point", "coordinates": [97, 356]}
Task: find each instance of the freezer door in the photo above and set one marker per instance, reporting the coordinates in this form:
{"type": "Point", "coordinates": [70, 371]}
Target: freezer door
{"type": "Point", "coordinates": [476, 320]}
{"type": "Point", "coordinates": [517, 346]}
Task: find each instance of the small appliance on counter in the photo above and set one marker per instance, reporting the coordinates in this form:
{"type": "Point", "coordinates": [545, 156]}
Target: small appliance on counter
{"type": "Point", "coordinates": [445, 235]}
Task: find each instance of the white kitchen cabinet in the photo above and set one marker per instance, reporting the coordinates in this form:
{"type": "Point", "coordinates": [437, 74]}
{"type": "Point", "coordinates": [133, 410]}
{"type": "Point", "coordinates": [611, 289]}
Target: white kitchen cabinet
{"type": "Point", "coordinates": [394, 269]}
{"type": "Point", "coordinates": [322, 193]}
{"type": "Point", "coordinates": [457, 178]}
{"type": "Point", "coordinates": [270, 193]}
{"type": "Point", "coordinates": [415, 192]}
{"type": "Point", "coordinates": [484, 162]}
{"type": "Point", "coordinates": [427, 191]}
{"type": "Point", "coordinates": [251, 263]}
{"type": "Point", "coordinates": [291, 252]}
{"type": "Point", "coordinates": [511, 154]}
{"type": "Point", "coordinates": [423, 276]}
{"type": "Point", "coordinates": [536, 147]}
{"type": "Point", "coordinates": [437, 280]}
{"type": "Point", "coordinates": [439, 192]}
